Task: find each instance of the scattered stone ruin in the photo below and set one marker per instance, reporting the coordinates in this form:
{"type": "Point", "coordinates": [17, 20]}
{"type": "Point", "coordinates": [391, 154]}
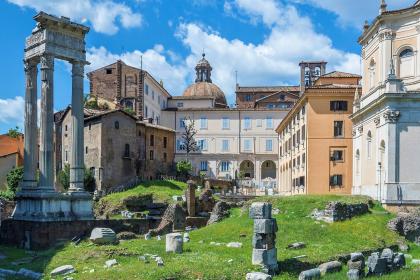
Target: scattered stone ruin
{"type": "Point", "coordinates": [339, 211]}
{"type": "Point", "coordinates": [407, 224]}
{"type": "Point", "coordinates": [264, 250]}
{"type": "Point", "coordinates": [172, 220]}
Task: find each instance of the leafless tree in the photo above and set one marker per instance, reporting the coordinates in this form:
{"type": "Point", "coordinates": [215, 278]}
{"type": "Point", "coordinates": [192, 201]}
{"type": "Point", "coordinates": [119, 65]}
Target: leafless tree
{"type": "Point", "coordinates": [188, 137]}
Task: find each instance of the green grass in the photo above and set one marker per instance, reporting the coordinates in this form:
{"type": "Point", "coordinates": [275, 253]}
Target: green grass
{"type": "Point", "coordinates": [161, 190]}
{"type": "Point", "coordinates": [201, 260]}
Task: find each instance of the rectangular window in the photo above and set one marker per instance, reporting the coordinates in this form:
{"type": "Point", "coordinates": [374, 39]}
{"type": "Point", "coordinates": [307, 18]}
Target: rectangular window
{"type": "Point", "coordinates": [151, 155]}
{"type": "Point", "coordinates": [165, 157]}
{"type": "Point", "coordinates": [203, 123]}
{"type": "Point", "coordinates": [247, 123]}
{"type": "Point", "coordinates": [180, 104]}
{"type": "Point", "coordinates": [152, 140]}
{"type": "Point", "coordinates": [146, 112]}
{"type": "Point", "coordinates": [337, 155]}
{"type": "Point", "coordinates": [181, 123]}
{"type": "Point", "coordinates": [248, 98]}
{"type": "Point", "coordinates": [269, 145]}
{"type": "Point", "coordinates": [247, 145]}
{"type": "Point", "coordinates": [336, 180]}
{"type": "Point", "coordinates": [338, 129]}
{"type": "Point", "coordinates": [302, 181]}
{"type": "Point", "coordinates": [303, 132]}
{"type": "Point", "coordinates": [203, 166]}
{"type": "Point", "coordinates": [165, 142]}
{"type": "Point", "coordinates": [338, 106]}
{"type": "Point", "coordinates": [269, 122]}
{"type": "Point", "coordinates": [147, 89]}
{"type": "Point", "coordinates": [180, 145]}
{"type": "Point", "coordinates": [108, 71]}
{"type": "Point", "coordinates": [298, 137]}
{"type": "Point", "coordinates": [259, 122]}
{"type": "Point", "coordinates": [303, 158]}
{"type": "Point", "coordinates": [225, 145]}
{"type": "Point", "coordinates": [225, 123]}
{"type": "Point", "coordinates": [202, 144]}
{"type": "Point", "coordinates": [225, 166]}
{"type": "Point", "coordinates": [159, 99]}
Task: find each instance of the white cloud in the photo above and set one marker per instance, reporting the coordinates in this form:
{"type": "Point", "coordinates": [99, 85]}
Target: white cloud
{"type": "Point", "coordinates": [154, 61]}
{"type": "Point", "coordinates": [355, 12]}
{"type": "Point", "coordinates": [11, 112]}
{"type": "Point", "coordinates": [274, 61]}
{"type": "Point", "coordinates": [105, 16]}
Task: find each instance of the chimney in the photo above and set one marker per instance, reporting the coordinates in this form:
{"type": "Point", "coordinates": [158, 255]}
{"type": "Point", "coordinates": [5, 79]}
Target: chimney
{"type": "Point", "coordinates": [366, 26]}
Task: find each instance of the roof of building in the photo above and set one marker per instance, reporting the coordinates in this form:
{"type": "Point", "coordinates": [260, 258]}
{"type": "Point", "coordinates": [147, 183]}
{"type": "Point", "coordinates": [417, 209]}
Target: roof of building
{"type": "Point", "coordinates": [10, 145]}
{"type": "Point", "coordinates": [205, 89]}
{"type": "Point", "coordinates": [148, 124]}
{"type": "Point", "coordinates": [271, 89]}
{"type": "Point", "coordinates": [227, 109]}
{"type": "Point", "coordinates": [191, 97]}
{"type": "Point", "coordinates": [414, 7]}
{"type": "Point", "coordinates": [338, 74]}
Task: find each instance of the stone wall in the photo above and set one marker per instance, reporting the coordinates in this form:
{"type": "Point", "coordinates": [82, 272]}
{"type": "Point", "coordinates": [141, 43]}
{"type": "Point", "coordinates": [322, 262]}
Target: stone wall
{"type": "Point", "coordinates": [36, 236]}
{"type": "Point", "coordinates": [339, 211]}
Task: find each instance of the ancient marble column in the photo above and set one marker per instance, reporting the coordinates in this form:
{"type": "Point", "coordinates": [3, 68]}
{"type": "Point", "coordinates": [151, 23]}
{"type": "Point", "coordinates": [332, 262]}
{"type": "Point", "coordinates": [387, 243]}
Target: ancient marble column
{"type": "Point", "coordinates": [46, 159]}
{"type": "Point", "coordinates": [31, 130]}
{"type": "Point", "coordinates": [77, 156]}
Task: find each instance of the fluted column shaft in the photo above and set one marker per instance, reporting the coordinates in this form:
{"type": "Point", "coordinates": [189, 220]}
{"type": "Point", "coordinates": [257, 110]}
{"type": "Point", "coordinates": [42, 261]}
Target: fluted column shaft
{"type": "Point", "coordinates": [31, 131]}
{"type": "Point", "coordinates": [46, 161]}
{"type": "Point", "coordinates": [77, 156]}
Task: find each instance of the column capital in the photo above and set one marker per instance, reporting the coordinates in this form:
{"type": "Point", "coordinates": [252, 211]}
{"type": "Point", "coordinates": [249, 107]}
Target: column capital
{"type": "Point", "coordinates": [29, 64]}
{"type": "Point", "coordinates": [392, 116]}
{"type": "Point", "coordinates": [47, 62]}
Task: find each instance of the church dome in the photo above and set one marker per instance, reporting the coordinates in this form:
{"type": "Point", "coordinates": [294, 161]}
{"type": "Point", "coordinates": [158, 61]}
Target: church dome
{"type": "Point", "coordinates": [203, 86]}
{"type": "Point", "coordinates": [206, 89]}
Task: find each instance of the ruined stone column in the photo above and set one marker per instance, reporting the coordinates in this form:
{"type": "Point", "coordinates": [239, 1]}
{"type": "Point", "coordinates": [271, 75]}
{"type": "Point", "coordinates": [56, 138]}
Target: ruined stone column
{"type": "Point", "coordinates": [190, 194]}
{"type": "Point", "coordinates": [46, 160]}
{"type": "Point", "coordinates": [264, 250]}
{"type": "Point", "coordinates": [31, 131]}
{"type": "Point", "coordinates": [77, 156]}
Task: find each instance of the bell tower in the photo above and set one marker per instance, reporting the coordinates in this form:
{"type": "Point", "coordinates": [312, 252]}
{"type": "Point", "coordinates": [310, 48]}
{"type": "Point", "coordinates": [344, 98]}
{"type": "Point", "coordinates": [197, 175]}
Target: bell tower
{"type": "Point", "coordinates": [203, 70]}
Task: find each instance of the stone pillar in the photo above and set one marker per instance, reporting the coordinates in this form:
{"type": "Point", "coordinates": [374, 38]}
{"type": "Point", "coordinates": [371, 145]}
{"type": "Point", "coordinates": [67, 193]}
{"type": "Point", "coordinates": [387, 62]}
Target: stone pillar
{"type": "Point", "coordinates": [46, 160]}
{"type": "Point", "coordinates": [31, 127]}
{"type": "Point", "coordinates": [77, 156]}
{"type": "Point", "coordinates": [191, 198]}
{"type": "Point", "coordinates": [264, 250]}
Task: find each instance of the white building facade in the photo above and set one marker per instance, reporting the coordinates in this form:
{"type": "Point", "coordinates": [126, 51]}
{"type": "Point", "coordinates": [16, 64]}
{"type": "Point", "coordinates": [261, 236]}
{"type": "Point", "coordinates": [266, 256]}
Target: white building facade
{"type": "Point", "coordinates": [386, 114]}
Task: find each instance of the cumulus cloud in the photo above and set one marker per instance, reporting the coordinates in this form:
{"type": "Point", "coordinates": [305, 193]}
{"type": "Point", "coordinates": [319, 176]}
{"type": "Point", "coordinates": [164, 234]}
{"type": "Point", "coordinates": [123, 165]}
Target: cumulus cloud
{"type": "Point", "coordinates": [12, 111]}
{"type": "Point", "coordinates": [274, 61]}
{"type": "Point", "coordinates": [105, 16]}
{"type": "Point", "coordinates": [355, 12]}
{"type": "Point", "coordinates": [155, 61]}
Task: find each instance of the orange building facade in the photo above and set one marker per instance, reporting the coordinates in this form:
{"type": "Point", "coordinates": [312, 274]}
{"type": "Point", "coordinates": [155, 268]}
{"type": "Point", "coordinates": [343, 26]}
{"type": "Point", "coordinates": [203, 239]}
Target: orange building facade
{"type": "Point", "coordinates": [315, 138]}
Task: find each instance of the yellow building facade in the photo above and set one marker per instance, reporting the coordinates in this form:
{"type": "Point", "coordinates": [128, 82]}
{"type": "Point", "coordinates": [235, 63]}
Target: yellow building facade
{"type": "Point", "coordinates": [315, 138]}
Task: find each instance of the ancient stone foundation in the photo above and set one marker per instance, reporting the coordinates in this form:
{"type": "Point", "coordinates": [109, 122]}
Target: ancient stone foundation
{"type": "Point", "coordinates": [264, 251]}
{"type": "Point", "coordinates": [339, 211]}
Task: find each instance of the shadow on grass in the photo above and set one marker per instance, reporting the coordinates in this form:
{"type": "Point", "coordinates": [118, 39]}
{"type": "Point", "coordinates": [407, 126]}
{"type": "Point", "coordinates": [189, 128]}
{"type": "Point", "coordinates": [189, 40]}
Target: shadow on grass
{"type": "Point", "coordinates": [294, 266]}
{"type": "Point", "coordinates": [167, 184]}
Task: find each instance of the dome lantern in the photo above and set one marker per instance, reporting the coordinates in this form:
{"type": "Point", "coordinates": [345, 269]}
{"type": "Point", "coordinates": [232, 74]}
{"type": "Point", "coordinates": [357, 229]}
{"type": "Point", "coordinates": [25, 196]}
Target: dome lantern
{"type": "Point", "coordinates": [203, 70]}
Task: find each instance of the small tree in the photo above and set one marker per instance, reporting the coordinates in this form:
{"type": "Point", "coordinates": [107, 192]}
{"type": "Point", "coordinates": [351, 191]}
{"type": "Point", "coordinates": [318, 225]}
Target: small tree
{"type": "Point", "coordinates": [189, 137]}
{"type": "Point", "coordinates": [184, 168]}
{"type": "Point", "coordinates": [64, 179]}
{"type": "Point", "coordinates": [14, 132]}
{"type": "Point", "coordinates": [13, 178]}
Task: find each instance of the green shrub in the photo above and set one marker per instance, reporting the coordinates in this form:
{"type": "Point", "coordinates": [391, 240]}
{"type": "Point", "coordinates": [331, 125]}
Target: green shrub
{"type": "Point", "coordinates": [14, 132]}
{"type": "Point", "coordinates": [64, 179]}
{"type": "Point", "coordinates": [7, 195]}
{"type": "Point", "coordinates": [13, 178]}
{"type": "Point", "coordinates": [184, 168]}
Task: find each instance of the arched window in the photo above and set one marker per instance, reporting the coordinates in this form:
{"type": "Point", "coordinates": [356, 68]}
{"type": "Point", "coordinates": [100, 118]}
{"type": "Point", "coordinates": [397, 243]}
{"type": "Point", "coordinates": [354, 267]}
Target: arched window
{"type": "Point", "coordinates": [127, 150]}
{"type": "Point", "coordinates": [406, 63]}
{"type": "Point", "coordinates": [369, 145]}
{"type": "Point", "coordinates": [372, 73]}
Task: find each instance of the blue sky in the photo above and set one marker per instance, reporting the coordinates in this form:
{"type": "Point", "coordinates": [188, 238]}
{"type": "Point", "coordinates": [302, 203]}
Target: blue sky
{"type": "Point", "coordinates": [264, 40]}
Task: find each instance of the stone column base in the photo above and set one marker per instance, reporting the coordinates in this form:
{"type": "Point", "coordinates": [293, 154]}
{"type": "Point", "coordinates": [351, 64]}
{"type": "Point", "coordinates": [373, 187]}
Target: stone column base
{"type": "Point", "coordinates": [52, 206]}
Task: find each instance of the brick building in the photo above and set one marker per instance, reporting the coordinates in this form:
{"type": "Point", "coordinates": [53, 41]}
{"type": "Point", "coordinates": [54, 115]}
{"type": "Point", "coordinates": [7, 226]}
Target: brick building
{"type": "Point", "coordinates": [128, 87]}
{"type": "Point", "coordinates": [281, 97]}
{"type": "Point", "coordinates": [118, 147]}
{"type": "Point", "coordinates": [11, 155]}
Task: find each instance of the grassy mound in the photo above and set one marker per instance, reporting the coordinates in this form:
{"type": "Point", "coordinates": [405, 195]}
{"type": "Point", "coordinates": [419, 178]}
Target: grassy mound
{"type": "Point", "coordinates": [162, 191]}
{"type": "Point", "coordinates": [202, 260]}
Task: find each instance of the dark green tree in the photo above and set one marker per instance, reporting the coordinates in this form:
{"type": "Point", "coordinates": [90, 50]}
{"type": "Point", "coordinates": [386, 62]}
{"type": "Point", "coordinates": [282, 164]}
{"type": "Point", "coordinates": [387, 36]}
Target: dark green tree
{"type": "Point", "coordinates": [64, 179]}
{"type": "Point", "coordinates": [13, 178]}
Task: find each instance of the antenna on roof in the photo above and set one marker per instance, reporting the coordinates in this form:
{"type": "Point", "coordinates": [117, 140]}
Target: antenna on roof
{"type": "Point", "coordinates": [141, 62]}
{"type": "Point", "coordinates": [236, 77]}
